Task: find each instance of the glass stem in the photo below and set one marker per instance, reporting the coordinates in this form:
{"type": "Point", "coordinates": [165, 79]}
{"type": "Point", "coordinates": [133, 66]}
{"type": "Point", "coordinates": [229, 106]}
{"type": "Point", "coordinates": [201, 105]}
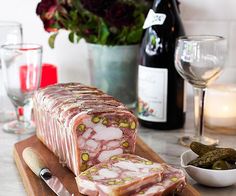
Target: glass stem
{"type": "Point", "coordinates": [18, 115]}
{"type": "Point", "coordinates": [199, 98]}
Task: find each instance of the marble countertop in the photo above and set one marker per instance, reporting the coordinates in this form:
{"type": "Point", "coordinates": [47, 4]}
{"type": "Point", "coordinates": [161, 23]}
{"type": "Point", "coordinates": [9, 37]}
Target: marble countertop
{"type": "Point", "coordinates": [162, 142]}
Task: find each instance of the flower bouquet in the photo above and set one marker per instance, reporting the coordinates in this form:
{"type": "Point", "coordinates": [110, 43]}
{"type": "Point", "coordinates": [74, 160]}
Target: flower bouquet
{"type": "Point", "coordinates": [105, 22]}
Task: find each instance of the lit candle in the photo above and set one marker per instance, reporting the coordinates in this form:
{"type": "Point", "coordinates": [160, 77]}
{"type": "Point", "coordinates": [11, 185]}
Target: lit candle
{"type": "Point", "coordinates": [220, 108]}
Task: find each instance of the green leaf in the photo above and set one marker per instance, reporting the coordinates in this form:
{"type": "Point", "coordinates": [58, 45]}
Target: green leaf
{"type": "Point", "coordinates": [92, 39]}
{"type": "Point", "coordinates": [103, 33]}
{"type": "Point", "coordinates": [51, 40]}
{"type": "Point", "coordinates": [56, 26]}
{"type": "Point", "coordinates": [57, 15]}
{"type": "Point", "coordinates": [71, 37]}
{"type": "Point", "coordinates": [134, 36]}
{"type": "Point", "coordinates": [121, 37]}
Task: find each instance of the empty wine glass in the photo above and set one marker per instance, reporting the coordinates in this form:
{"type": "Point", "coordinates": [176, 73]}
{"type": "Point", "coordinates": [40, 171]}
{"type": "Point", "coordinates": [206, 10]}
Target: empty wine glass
{"type": "Point", "coordinates": [21, 70]}
{"type": "Point", "coordinates": [199, 60]}
{"type": "Point", "coordinates": [10, 33]}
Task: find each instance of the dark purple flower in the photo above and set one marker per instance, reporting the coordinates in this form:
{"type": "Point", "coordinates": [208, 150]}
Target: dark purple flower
{"type": "Point", "coordinates": [46, 8]}
{"type": "Point", "coordinates": [120, 14]}
{"type": "Point", "coordinates": [98, 7]}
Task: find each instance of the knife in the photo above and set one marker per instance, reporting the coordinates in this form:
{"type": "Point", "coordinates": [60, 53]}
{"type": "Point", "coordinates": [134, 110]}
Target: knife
{"type": "Point", "coordinates": [38, 166]}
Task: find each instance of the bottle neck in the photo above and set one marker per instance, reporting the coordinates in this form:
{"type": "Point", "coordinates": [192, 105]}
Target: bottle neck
{"type": "Point", "coordinates": [165, 4]}
{"type": "Point", "coordinates": [172, 26]}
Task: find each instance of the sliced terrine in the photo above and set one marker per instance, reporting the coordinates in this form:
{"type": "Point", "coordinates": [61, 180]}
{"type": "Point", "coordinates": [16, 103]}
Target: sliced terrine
{"type": "Point", "coordinates": [123, 174]}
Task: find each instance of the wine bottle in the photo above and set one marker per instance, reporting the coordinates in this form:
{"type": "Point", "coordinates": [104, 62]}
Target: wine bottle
{"type": "Point", "coordinates": [160, 87]}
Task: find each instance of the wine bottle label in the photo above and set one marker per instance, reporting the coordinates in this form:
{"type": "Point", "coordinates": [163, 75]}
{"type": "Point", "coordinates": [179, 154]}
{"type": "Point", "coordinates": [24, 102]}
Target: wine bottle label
{"type": "Point", "coordinates": [154, 19]}
{"type": "Point", "coordinates": [152, 94]}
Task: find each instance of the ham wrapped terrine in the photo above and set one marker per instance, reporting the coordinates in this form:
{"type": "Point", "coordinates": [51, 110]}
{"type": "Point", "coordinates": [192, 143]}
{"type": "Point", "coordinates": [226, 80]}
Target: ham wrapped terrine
{"type": "Point", "coordinates": [82, 125]}
{"type": "Point", "coordinates": [130, 175]}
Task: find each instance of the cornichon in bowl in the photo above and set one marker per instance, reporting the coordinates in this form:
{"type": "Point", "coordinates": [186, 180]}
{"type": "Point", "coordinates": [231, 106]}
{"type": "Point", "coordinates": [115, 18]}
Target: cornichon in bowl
{"type": "Point", "coordinates": [200, 149]}
{"type": "Point", "coordinates": [212, 157]}
{"type": "Point", "coordinates": [223, 165]}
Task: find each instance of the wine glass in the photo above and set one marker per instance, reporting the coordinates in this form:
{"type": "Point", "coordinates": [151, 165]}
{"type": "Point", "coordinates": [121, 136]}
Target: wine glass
{"type": "Point", "coordinates": [10, 33]}
{"type": "Point", "coordinates": [199, 60]}
{"type": "Point", "coordinates": [21, 70]}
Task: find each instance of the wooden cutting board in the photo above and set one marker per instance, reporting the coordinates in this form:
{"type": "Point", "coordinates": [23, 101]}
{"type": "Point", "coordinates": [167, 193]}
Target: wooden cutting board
{"type": "Point", "coordinates": [36, 187]}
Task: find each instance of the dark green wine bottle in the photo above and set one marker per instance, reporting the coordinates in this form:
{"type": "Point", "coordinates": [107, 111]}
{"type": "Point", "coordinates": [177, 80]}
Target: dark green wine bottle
{"type": "Point", "coordinates": [160, 87]}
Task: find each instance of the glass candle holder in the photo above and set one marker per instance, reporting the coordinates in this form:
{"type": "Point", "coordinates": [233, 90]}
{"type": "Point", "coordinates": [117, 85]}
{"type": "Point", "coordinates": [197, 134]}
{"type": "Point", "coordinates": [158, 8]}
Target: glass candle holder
{"type": "Point", "coordinates": [220, 106]}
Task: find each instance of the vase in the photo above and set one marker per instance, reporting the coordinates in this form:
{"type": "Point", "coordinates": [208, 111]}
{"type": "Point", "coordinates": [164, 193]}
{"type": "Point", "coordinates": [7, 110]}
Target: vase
{"type": "Point", "coordinates": [113, 69]}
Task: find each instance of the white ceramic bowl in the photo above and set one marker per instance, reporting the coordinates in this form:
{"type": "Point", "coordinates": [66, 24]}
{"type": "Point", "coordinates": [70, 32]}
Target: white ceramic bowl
{"type": "Point", "coordinates": [208, 177]}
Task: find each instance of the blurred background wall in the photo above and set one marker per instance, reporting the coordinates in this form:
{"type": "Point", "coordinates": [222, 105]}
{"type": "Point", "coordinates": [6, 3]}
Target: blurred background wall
{"type": "Point", "coordinates": [212, 17]}
{"type": "Point", "coordinates": [199, 17]}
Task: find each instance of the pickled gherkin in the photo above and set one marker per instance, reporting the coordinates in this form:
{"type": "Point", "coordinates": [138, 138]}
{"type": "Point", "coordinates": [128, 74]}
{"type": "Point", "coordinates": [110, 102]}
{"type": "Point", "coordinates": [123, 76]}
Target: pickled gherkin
{"type": "Point", "coordinates": [209, 158]}
{"type": "Point", "coordinates": [201, 149]}
{"type": "Point", "coordinates": [221, 165]}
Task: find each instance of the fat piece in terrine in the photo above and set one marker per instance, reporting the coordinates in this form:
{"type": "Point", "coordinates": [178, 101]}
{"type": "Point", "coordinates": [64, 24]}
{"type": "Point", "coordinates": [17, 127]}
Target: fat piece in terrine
{"type": "Point", "coordinates": [121, 175]}
{"type": "Point", "coordinates": [82, 125]}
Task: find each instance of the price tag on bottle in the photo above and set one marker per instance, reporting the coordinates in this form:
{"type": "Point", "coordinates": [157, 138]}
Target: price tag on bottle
{"type": "Point", "coordinates": [154, 19]}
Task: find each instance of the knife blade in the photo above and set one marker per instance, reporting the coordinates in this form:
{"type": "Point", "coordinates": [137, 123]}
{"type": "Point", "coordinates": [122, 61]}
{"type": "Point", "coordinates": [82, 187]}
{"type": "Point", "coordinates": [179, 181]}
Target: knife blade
{"type": "Point", "coordinates": [38, 166]}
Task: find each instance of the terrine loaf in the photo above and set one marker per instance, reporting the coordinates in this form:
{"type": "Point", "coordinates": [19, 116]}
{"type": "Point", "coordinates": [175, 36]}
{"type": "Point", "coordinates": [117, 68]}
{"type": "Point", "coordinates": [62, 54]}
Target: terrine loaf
{"type": "Point", "coordinates": [122, 175]}
{"type": "Point", "coordinates": [82, 125]}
